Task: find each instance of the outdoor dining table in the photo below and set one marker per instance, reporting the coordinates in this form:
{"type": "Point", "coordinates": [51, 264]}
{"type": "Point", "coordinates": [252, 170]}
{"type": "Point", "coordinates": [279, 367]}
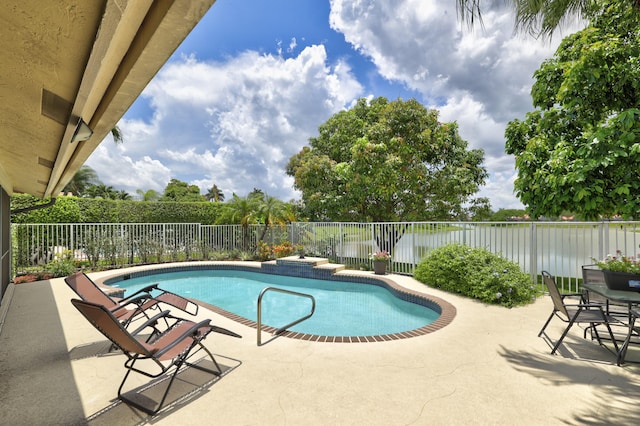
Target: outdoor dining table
{"type": "Point", "coordinates": [630, 298]}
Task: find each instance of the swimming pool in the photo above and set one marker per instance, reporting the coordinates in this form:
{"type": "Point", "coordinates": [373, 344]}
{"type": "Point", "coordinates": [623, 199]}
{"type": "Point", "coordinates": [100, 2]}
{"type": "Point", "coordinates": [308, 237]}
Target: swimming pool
{"type": "Point", "coordinates": [342, 308]}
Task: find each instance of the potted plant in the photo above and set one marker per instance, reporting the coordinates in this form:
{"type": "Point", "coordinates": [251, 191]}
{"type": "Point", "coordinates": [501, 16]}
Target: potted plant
{"type": "Point", "coordinates": [621, 272]}
{"type": "Point", "coordinates": [380, 260]}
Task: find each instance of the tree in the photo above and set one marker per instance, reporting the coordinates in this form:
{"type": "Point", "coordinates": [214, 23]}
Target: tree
{"type": "Point", "coordinates": [149, 195]}
{"type": "Point", "coordinates": [579, 151]}
{"type": "Point", "coordinates": [215, 194]}
{"type": "Point", "coordinates": [270, 211]}
{"type": "Point", "coordinates": [480, 209]}
{"type": "Point", "coordinates": [176, 190]}
{"type": "Point", "coordinates": [84, 178]}
{"type": "Point", "coordinates": [538, 17]}
{"type": "Point", "coordinates": [386, 161]}
{"type": "Point", "coordinates": [117, 135]}
{"type": "Point", "coordinates": [504, 215]}
{"type": "Point", "coordinates": [122, 195]}
{"type": "Point", "coordinates": [102, 191]}
{"type": "Point", "coordinates": [240, 210]}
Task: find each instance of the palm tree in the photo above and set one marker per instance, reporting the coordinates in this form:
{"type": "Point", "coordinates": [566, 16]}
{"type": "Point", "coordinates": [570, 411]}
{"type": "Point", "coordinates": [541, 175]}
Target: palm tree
{"type": "Point", "coordinates": [117, 135]}
{"type": "Point", "coordinates": [215, 194]}
{"type": "Point", "coordinates": [541, 18]}
{"type": "Point", "coordinates": [102, 191]}
{"type": "Point", "coordinates": [240, 210]}
{"type": "Point", "coordinates": [122, 195]}
{"type": "Point", "coordinates": [83, 179]}
{"type": "Point", "coordinates": [537, 17]}
{"type": "Point", "coordinates": [271, 211]}
{"type": "Point", "coordinates": [149, 195]}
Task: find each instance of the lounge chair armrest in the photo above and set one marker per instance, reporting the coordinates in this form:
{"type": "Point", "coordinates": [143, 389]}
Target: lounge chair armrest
{"type": "Point", "coordinates": [151, 322]}
{"type": "Point", "coordinates": [190, 332]}
{"type": "Point", "coordinates": [146, 290]}
{"type": "Point", "coordinates": [138, 301]}
{"type": "Point", "coordinates": [138, 297]}
{"type": "Point", "coordinates": [222, 330]}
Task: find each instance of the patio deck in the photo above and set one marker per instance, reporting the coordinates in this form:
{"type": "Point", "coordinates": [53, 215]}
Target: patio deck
{"type": "Point", "coordinates": [486, 367]}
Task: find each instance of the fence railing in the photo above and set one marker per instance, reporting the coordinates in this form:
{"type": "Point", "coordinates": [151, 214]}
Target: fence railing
{"type": "Point", "coordinates": [559, 247]}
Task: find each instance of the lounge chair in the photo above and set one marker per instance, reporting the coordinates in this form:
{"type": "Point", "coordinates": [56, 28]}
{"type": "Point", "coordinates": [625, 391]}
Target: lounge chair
{"type": "Point", "coordinates": [130, 308]}
{"type": "Point", "coordinates": [575, 313]}
{"type": "Point", "coordinates": [172, 348]}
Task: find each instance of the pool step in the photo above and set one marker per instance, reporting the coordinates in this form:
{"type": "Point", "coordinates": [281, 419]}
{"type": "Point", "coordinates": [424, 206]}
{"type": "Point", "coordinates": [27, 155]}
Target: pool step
{"type": "Point", "coordinates": [310, 267]}
{"type": "Point", "coordinates": [333, 267]}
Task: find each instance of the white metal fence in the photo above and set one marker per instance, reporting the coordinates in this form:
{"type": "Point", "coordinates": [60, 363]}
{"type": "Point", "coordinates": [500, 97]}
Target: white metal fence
{"type": "Point", "coordinates": [559, 247]}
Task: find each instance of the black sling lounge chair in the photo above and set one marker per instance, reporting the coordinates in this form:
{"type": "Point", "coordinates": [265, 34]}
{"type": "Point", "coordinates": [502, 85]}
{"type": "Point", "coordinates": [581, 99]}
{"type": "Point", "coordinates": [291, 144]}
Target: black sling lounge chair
{"type": "Point", "coordinates": [172, 348]}
{"type": "Point", "coordinates": [130, 308]}
{"type": "Point", "coordinates": [581, 312]}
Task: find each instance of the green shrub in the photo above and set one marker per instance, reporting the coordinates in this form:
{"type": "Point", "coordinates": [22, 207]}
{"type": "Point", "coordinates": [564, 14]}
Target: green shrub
{"type": "Point", "coordinates": [62, 265]}
{"type": "Point", "coordinates": [476, 273]}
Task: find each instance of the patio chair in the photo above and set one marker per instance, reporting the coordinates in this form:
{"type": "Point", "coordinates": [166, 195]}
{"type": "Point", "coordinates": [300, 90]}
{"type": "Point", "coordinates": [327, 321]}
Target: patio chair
{"type": "Point", "coordinates": [576, 313]}
{"type": "Point", "coordinates": [173, 348]}
{"type": "Point", "coordinates": [129, 308]}
{"type": "Point", "coordinates": [634, 314]}
{"type": "Point", "coordinates": [593, 275]}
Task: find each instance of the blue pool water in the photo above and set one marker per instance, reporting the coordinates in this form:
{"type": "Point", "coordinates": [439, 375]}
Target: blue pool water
{"type": "Point", "coordinates": [342, 308]}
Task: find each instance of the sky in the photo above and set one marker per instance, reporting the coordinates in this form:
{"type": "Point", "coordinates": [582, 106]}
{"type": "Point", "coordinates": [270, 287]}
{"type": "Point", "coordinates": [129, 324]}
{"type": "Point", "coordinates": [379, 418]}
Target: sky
{"type": "Point", "coordinates": [255, 78]}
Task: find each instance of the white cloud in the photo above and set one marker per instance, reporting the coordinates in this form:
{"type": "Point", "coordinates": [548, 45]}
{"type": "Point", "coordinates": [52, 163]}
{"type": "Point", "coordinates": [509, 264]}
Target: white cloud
{"type": "Point", "coordinates": [480, 78]}
{"type": "Point", "coordinates": [235, 124]}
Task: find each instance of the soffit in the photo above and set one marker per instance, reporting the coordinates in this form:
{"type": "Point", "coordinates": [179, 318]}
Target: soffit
{"type": "Point", "coordinates": [65, 60]}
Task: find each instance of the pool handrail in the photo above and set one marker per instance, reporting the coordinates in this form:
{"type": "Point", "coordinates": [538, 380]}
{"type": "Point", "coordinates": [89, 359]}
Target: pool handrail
{"type": "Point", "coordinates": [285, 327]}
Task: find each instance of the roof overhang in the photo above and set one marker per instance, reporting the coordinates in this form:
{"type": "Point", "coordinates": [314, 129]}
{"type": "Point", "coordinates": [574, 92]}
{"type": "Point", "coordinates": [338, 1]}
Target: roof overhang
{"type": "Point", "coordinates": [68, 62]}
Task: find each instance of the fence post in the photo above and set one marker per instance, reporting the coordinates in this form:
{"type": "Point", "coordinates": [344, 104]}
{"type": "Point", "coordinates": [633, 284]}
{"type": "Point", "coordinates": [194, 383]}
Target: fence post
{"type": "Point", "coordinates": [533, 253]}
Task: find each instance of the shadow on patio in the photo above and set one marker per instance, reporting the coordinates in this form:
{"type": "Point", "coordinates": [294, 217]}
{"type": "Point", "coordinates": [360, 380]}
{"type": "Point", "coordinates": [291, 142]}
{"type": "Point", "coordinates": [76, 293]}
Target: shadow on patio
{"type": "Point", "coordinates": [616, 394]}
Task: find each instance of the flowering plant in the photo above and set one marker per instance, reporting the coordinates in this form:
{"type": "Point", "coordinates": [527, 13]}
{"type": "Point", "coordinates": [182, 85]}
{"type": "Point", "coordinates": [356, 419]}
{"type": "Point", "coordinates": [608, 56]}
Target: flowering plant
{"type": "Point", "coordinates": [620, 263]}
{"type": "Point", "coordinates": [283, 249]}
{"type": "Point", "coordinates": [380, 256]}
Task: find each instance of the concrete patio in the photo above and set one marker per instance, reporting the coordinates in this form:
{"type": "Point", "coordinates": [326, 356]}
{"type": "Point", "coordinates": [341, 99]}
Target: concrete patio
{"type": "Point", "coordinates": [487, 367]}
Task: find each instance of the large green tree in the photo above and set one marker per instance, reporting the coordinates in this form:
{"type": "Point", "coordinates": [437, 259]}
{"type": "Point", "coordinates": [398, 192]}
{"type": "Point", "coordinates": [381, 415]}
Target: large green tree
{"type": "Point", "coordinates": [579, 150]}
{"type": "Point", "coordinates": [177, 190]}
{"type": "Point", "coordinates": [384, 161]}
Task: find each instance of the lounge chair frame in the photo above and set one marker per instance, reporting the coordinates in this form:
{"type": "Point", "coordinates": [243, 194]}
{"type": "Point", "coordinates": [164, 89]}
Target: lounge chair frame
{"type": "Point", "coordinates": [582, 312]}
{"type": "Point", "coordinates": [130, 308]}
{"type": "Point", "coordinates": [169, 349]}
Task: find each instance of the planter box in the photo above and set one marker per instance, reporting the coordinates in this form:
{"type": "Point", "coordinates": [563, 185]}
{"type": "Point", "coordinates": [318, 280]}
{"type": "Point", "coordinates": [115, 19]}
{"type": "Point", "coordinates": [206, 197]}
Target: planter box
{"type": "Point", "coordinates": [379, 267]}
{"type": "Point", "coordinates": [622, 280]}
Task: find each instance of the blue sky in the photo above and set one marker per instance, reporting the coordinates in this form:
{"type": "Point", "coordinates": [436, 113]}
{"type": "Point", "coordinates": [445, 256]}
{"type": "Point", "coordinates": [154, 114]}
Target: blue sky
{"type": "Point", "coordinates": [255, 79]}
